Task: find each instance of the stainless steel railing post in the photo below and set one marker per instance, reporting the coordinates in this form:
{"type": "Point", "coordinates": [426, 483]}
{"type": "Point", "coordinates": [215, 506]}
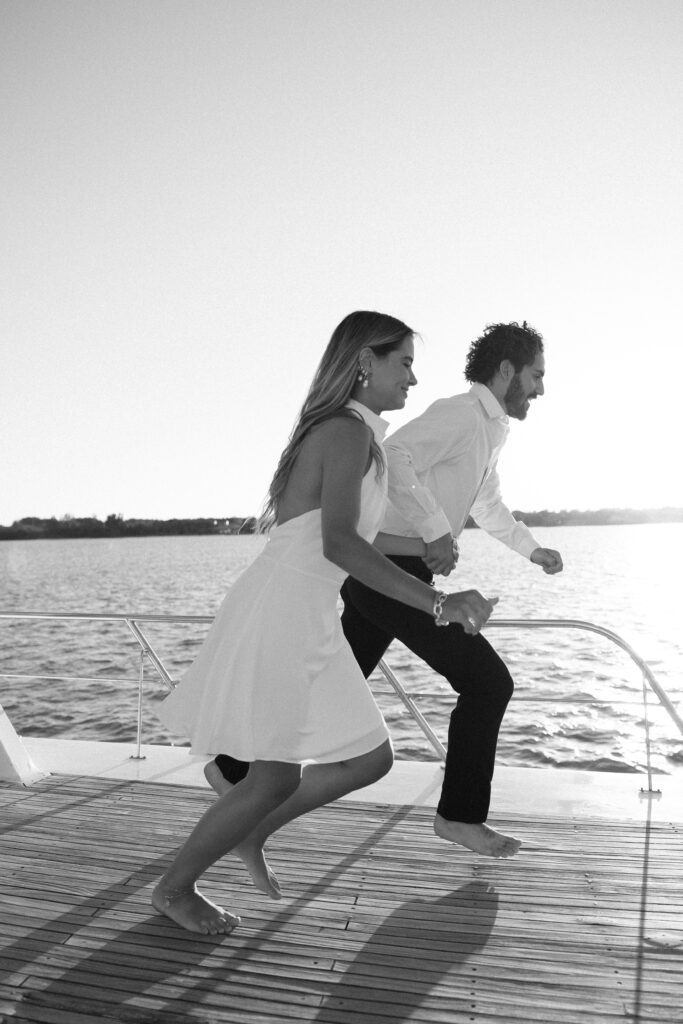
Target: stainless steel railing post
{"type": "Point", "coordinates": [139, 756]}
{"type": "Point", "coordinates": [648, 763]}
{"type": "Point", "coordinates": [147, 651]}
{"type": "Point", "coordinates": [413, 709]}
{"type": "Point", "coordinates": [609, 635]}
{"type": "Point", "coordinates": [150, 652]}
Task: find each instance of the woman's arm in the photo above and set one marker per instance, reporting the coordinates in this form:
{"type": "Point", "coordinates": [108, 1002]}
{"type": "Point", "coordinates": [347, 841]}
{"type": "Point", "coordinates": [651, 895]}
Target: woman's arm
{"type": "Point", "coordinates": [391, 544]}
{"type": "Point", "coordinates": [345, 452]}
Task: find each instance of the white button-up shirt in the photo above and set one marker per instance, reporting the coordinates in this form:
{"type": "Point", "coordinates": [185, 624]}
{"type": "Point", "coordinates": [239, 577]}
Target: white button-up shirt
{"type": "Point", "coordinates": [442, 468]}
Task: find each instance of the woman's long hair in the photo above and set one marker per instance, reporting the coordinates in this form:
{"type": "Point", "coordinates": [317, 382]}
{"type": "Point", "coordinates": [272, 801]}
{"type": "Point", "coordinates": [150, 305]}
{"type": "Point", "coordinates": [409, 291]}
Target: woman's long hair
{"type": "Point", "coordinates": [331, 388]}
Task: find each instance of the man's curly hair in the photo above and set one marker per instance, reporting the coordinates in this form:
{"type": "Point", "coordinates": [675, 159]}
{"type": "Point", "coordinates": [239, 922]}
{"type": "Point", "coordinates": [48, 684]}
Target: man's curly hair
{"type": "Point", "coordinates": [520, 345]}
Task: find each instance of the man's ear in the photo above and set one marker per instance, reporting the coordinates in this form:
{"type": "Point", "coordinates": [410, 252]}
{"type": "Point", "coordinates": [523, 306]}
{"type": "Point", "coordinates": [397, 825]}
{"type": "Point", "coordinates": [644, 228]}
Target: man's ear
{"type": "Point", "coordinates": [507, 370]}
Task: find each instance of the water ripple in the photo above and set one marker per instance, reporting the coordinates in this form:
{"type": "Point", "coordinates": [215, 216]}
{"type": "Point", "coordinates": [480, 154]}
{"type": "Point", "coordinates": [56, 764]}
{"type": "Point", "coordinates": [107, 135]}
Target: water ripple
{"type": "Point", "coordinates": [614, 576]}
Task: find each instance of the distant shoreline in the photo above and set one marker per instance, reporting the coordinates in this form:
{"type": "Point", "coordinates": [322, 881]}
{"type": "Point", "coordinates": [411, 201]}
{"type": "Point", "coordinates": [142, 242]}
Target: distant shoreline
{"type": "Point", "coordinates": [72, 528]}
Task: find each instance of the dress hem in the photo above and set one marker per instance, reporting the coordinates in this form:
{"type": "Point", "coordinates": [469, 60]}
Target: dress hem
{"type": "Point", "coordinates": [354, 748]}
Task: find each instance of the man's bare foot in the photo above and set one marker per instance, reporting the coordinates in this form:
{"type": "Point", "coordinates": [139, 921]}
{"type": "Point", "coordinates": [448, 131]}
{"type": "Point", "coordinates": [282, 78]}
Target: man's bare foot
{"type": "Point", "coordinates": [216, 779]}
{"type": "Point", "coordinates": [262, 875]}
{"type": "Point", "coordinates": [192, 911]}
{"type": "Point", "coordinates": [478, 838]}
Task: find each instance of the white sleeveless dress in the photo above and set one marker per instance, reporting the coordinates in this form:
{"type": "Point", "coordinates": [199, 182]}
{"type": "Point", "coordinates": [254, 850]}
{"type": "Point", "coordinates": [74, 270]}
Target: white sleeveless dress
{"type": "Point", "coordinates": [275, 678]}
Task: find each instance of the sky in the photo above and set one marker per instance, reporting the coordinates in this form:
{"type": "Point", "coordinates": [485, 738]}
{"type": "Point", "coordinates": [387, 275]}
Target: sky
{"type": "Point", "coordinates": [193, 193]}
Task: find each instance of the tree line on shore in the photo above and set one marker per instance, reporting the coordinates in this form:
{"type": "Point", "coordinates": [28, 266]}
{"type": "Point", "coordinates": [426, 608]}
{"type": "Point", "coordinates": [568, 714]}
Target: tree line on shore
{"type": "Point", "coordinates": [68, 527]}
{"type": "Point", "coordinates": [33, 528]}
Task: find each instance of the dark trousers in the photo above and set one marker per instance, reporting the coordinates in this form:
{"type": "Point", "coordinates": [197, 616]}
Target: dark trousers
{"type": "Point", "coordinates": [469, 663]}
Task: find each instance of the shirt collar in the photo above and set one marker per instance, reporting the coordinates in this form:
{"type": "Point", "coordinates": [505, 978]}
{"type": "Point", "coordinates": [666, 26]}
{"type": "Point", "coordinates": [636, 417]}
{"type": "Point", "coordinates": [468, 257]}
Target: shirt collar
{"type": "Point", "coordinates": [489, 401]}
{"type": "Point", "coordinates": [378, 426]}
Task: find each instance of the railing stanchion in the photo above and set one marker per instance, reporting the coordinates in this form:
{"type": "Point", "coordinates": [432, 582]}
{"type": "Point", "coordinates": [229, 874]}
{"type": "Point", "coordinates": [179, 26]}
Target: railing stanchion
{"type": "Point", "coordinates": [147, 651]}
{"type": "Point", "coordinates": [139, 756]}
{"type": "Point", "coordinates": [649, 791]}
{"type": "Point", "coordinates": [150, 652]}
{"type": "Point", "coordinates": [414, 710]}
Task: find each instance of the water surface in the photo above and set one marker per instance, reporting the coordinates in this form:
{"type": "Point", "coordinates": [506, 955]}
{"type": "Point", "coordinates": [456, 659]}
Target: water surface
{"type": "Point", "coordinates": [621, 577]}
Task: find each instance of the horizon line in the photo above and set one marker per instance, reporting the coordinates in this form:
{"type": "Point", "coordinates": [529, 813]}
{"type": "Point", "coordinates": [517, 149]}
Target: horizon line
{"type": "Point", "coordinates": [68, 517]}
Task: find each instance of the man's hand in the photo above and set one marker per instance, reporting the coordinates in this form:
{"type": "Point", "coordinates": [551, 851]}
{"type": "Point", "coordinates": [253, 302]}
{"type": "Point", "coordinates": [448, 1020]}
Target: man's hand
{"type": "Point", "coordinates": [441, 554]}
{"type": "Point", "coordinates": [549, 560]}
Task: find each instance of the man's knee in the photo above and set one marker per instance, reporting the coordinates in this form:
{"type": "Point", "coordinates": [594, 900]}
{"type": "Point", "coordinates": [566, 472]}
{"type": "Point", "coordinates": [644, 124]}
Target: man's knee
{"type": "Point", "coordinates": [497, 682]}
{"type": "Point", "coordinates": [506, 686]}
{"type": "Point", "coordinates": [492, 675]}
{"type": "Point", "coordinates": [492, 686]}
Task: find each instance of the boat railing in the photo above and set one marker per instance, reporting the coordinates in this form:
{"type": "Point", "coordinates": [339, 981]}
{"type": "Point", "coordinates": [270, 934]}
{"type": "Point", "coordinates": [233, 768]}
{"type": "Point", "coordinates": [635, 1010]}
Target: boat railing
{"type": "Point", "coordinates": [149, 655]}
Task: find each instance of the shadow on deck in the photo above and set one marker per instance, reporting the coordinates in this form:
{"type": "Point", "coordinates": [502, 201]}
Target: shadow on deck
{"type": "Point", "coordinates": [383, 922]}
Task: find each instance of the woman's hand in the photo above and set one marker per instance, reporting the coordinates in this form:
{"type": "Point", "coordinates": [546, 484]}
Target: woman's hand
{"type": "Point", "coordinates": [441, 555]}
{"type": "Point", "coordinates": [469, 608]}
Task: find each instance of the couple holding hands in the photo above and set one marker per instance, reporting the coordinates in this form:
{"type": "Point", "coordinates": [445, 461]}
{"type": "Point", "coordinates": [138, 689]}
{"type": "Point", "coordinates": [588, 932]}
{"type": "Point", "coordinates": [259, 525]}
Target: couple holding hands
{"type": "Point", "coordinates": [280, 678]}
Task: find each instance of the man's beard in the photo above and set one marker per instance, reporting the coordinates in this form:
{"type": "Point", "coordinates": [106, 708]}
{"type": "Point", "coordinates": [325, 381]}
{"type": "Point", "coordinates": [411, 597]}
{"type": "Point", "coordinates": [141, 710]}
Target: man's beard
{"type": "Point", "coordinates": [515, 399]}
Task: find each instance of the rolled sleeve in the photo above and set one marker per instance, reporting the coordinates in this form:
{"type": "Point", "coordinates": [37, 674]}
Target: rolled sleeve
{"type": "Point", "coordinates": [413, 507]}
{"type": "Point", "coordinates": [491, 514]}
{"type": "Point", "coordinates": [434, 527]}
{"type": "Point", "coordinates": [439, 436]}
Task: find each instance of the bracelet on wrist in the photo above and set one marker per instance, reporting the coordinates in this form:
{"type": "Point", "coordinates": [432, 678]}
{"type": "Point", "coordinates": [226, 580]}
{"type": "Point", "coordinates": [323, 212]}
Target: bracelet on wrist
{"type": "Point", "coordinates": [437, 611]}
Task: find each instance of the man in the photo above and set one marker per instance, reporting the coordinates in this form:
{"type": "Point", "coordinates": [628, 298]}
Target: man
{"type": "Point", "coordinates": [442, 468]}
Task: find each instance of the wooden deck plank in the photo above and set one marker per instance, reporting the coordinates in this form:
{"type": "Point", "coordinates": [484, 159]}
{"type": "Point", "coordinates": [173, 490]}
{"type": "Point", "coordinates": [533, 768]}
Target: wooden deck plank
{"type": "Point", "coordinates": [382, 922]}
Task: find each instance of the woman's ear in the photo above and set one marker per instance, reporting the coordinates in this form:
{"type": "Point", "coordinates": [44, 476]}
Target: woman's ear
{"type": "Point", "coordinates": [365, 357]}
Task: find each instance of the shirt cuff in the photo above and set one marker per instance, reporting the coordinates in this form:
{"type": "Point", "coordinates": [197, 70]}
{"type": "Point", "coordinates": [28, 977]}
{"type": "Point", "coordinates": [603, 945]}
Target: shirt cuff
{"type": "Point", "coordinates": [434, 527]}
{"type": "Point", "coordinates": [526, 545]}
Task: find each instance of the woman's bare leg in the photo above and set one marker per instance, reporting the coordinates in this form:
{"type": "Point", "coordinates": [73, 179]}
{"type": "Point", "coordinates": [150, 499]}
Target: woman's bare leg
{"type": "Point", "coordinates": [320, 784]}
{"type": "Point", "coordinates": [224, 825]}
{"type": "Point", "coordinates": [214, 776]}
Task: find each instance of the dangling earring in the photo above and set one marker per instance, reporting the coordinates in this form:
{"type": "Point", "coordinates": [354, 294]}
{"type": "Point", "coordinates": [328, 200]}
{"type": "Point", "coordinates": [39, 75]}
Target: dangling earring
{"type": "Point", "coordinates": [363, 375]}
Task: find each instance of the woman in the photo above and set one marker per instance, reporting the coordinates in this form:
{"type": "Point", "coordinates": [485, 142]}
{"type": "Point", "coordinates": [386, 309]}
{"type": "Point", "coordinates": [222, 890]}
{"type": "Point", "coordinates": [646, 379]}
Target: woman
{"type": "Point", "coordinates": [275, 681]}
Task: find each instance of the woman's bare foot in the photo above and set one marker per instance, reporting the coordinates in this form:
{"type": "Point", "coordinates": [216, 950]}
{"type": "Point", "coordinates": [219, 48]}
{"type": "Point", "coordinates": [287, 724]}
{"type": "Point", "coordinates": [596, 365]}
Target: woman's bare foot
{"type": "Point", "coordinates": [192, 911]}
{"type": "Point", "coordinates": [476, 837]}
{"type": "Point", "coordinates": [215, 778]}
{"type": "Point", "coordinates": [250, 853]}
{"type": "Point", "coordinates": [262, 875]}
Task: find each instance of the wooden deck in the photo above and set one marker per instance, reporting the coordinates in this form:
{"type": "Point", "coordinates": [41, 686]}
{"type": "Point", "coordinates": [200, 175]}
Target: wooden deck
{"type": "Point", "coordinates": [383, 923]}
